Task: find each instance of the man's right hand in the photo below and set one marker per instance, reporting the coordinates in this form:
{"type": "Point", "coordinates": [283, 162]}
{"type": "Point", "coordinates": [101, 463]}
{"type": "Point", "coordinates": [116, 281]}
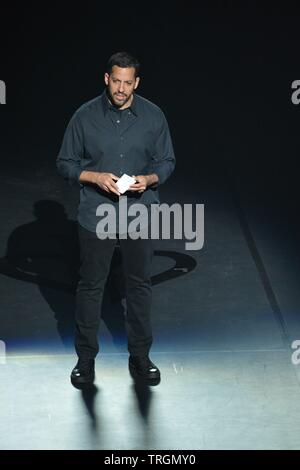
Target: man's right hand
{"type": "Point", "coordinates": [105, 181]}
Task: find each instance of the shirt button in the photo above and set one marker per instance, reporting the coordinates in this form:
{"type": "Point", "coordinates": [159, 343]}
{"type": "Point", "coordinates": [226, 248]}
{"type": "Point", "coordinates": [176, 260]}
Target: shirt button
{"type": "Point", "coordinates": [121, 155]}
{"type": "Point", "coordinates": [118, 121]}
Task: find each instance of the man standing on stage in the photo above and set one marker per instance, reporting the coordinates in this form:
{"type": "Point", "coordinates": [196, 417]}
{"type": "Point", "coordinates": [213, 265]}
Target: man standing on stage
{"type": "Point", "coordinates": [115, 133]}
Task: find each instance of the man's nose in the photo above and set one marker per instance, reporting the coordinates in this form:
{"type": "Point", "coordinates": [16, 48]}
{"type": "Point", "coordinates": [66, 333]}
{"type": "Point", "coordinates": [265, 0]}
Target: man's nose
{"type": "Point", "coordinates": [121, 88]}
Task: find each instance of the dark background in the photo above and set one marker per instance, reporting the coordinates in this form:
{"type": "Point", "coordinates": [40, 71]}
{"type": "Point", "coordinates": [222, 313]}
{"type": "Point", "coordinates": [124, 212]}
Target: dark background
{"type": "Point", "coordinates": [221, 72]}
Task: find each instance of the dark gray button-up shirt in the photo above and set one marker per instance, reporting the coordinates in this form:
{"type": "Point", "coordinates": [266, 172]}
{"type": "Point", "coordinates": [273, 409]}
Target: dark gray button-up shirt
{"type": "Point", "coordinates": [99, 137]}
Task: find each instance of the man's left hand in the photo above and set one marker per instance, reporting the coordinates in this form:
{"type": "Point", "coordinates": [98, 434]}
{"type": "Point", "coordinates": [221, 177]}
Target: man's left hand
{"type": "Point", "coordinates": [142, 182]}
{"type": "Point", "coordinates": [140, 185]}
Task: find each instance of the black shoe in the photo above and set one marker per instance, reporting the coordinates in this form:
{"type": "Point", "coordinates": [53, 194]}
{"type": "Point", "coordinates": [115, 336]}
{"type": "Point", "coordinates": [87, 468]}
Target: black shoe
{"type": "Point", "coordinates": [84, 372]}
{"type": "Point", "coordinates": [142, 367]}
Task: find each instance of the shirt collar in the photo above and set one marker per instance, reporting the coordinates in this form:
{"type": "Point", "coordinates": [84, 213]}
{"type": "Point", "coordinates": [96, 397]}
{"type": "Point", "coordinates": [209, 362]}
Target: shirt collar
{"type": "Point", "coordinates": [107, 105]}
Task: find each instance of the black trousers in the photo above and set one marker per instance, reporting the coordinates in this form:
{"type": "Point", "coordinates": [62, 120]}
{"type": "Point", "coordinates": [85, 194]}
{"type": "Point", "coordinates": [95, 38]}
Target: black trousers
{"type": "Point", "coordinates": [95, 260]}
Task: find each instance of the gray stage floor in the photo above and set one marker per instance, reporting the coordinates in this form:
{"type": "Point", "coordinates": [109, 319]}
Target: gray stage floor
{"type": "Point", "coordinates": [224, 318]}
{"type": "Point", "coordinates": [206, 400]}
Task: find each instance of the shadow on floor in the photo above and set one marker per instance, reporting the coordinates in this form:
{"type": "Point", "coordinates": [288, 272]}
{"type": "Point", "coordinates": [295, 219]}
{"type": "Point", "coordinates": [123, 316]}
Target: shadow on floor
{"type": "Point", "coordinates": [46, 252]}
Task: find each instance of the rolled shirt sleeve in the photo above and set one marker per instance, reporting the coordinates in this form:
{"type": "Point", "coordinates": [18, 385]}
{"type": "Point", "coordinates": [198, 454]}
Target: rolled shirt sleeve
{"type": "Point", "coordinates": [68, 161]}
{"type": "Point", "coordinates": [164, 158]}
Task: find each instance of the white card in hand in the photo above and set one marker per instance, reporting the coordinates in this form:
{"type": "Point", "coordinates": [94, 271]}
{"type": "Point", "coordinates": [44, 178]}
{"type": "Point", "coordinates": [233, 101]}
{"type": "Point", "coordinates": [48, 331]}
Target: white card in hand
{"type": "Point", "coordinates": [124, 182]}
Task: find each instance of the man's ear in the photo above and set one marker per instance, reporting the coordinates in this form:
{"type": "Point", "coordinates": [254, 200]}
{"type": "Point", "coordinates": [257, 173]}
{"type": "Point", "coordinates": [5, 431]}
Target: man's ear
{"type": "Point", "coordinates": [106, 77]}
{"type": "Point", "coordinates": [137, 81]}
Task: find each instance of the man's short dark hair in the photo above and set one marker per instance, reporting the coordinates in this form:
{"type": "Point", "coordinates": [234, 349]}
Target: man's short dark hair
{"type": "Point", "coordinates": [123, 59]}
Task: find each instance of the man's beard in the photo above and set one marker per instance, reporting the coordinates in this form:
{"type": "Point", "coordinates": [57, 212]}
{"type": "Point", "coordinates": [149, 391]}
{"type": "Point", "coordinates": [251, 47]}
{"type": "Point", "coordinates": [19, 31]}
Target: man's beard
{"type": "Point", "coordinates": [117, 104]}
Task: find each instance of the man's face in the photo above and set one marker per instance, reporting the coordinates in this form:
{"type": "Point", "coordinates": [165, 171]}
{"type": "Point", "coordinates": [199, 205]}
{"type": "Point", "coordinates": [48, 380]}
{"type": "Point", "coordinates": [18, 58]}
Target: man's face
{"type": "Point", "coordinates": [121, 84]}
